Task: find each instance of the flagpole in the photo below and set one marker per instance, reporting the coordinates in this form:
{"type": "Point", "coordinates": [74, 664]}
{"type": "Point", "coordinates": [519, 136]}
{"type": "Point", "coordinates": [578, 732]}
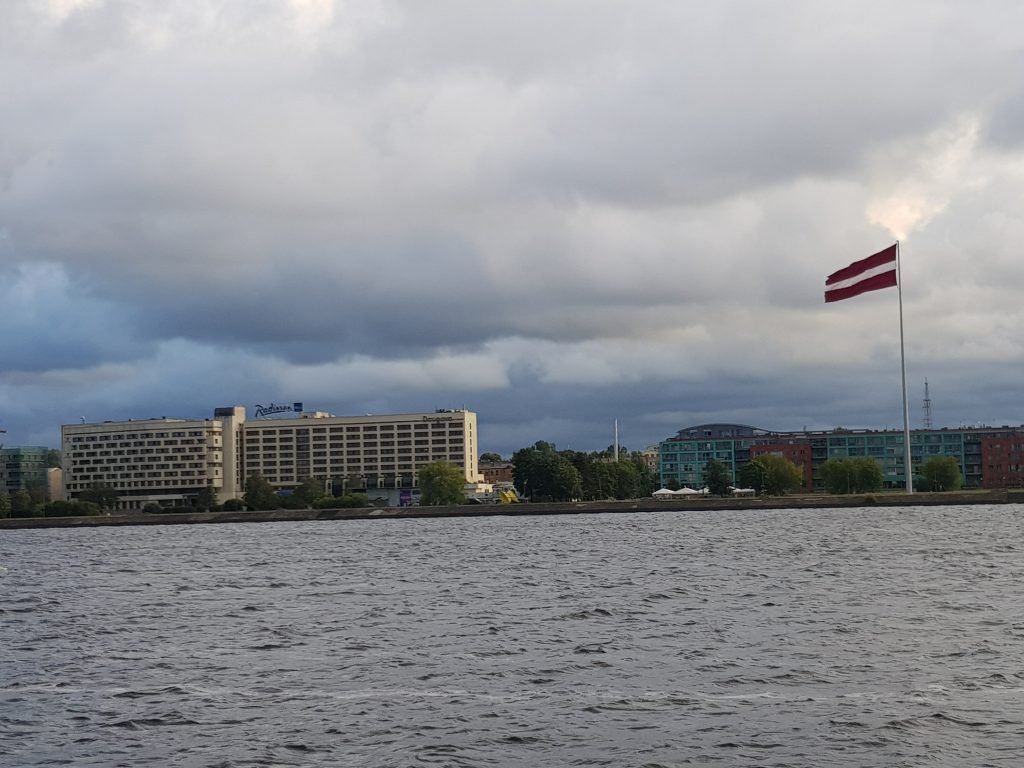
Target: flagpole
{"type": "Point", "coordinates": [907, 463]}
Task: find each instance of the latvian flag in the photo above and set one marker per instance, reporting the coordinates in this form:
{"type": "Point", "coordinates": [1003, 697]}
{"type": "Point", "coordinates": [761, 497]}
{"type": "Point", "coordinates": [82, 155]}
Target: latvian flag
{"type": "Point", "coordinates": [870, 274]}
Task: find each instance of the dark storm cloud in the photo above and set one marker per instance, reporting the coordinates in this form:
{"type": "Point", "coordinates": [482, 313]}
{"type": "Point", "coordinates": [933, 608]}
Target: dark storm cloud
{"type": "Point", "coordinates": [560, 214]}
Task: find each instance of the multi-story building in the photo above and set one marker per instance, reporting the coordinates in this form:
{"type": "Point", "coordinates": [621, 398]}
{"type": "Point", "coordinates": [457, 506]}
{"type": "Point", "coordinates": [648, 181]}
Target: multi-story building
{"type": "Point", "coordinates": [163, 461]}
{"type": "Point", "coordinates": [683, 457]}
{"type": "Point", "coordinates": [650, 456]}
{"type": "Point", "coordinates": [24, 468]}
{"type": "Point", "coordinates": [1003, 461]}
{"type": "Point", "coordinates": [985, 454]}
{"type": "Point", "coordinates": [168, 461]}
{"type": "Point", "coordinates": [359, 453]}
{"type": "Point", "coordinates": [495, 472]}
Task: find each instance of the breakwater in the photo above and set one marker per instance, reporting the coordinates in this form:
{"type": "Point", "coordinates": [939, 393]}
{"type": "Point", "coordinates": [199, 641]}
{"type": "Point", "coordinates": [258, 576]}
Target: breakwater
{"type": "Point", "coordinates": [899, 499]}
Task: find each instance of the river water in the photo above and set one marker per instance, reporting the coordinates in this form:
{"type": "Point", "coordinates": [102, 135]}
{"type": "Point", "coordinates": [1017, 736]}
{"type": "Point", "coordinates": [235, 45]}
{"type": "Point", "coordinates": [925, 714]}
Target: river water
{"type": "Point", "coordinates": [863, 637]}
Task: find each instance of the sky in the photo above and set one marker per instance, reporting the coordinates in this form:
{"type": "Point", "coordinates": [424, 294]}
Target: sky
{"type": "Point", "coordinates": [556, 214]}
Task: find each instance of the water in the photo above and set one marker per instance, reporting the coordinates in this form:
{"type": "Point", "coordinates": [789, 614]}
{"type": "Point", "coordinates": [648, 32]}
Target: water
{"type": "Point", "coordinates": [871, 637]}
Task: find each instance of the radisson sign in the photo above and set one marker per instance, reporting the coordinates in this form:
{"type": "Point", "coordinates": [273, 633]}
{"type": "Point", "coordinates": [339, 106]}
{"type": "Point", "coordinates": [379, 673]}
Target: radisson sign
{"type": "Point", "coordinates": [262, 411]}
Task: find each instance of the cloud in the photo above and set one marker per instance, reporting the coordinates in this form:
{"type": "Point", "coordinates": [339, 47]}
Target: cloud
{"type": "Point", "coordinates": [554, 214]}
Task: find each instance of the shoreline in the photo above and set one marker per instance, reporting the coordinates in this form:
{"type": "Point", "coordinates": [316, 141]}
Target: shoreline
{"type": "Point", "coordinates": [898, 499]}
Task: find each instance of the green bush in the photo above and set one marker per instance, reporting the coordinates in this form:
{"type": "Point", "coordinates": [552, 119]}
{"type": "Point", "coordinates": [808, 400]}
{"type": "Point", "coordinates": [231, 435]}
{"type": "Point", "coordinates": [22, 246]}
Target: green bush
{"type": "Point", "coordinates": [71, 509]}
{"type": "Point", "coordinates": [349, 501]}
{"type": "Point", "coordinates": [153, 509]}
{"type": "Point", "coordinates": [233, 505]}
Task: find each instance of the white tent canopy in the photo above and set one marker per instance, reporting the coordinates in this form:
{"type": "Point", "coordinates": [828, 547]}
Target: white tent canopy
{"type": "Point", "coordinates": [665, 493]}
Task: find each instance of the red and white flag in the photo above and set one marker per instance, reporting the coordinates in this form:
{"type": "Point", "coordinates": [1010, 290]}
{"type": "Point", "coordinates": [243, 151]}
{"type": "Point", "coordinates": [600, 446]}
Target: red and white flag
{"type": "Point", "coordinates": [870, 274]}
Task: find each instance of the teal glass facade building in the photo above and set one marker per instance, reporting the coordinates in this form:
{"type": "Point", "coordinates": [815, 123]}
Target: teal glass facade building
{"type": "Point", "coordinates": [682, 458]}
{"type": "Point", "coordinates": [21, 468]}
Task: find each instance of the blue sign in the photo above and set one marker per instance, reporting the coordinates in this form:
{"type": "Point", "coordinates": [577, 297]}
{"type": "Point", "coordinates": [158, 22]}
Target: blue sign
{"type": "Point", "coordinates": [262, 411]}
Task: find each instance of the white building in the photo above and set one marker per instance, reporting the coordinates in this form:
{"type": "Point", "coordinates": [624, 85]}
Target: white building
{"type": "Point", "coordinates": [168, 461]}
{"type": "Point", "coordinates": [165, 461]}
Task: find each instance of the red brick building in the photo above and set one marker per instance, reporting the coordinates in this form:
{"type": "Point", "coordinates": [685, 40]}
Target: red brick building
{"type": "Point", "coordinates": [496, 471]}
{"type": "Point", "coordinates": [1002, 461]}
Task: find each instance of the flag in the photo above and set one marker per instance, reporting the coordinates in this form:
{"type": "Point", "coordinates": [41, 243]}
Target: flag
{"type": "Point", "coordinates": [870, 274]}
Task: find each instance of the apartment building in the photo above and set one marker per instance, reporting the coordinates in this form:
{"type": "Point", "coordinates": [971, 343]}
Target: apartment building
{"type": "Point", "coordinates": [989, 457]}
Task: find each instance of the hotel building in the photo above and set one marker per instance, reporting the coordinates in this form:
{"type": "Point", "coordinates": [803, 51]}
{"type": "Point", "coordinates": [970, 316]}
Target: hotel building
{"type": "Point", "coordinates": [168, 461]}
{"type": "Point", "coordinates": [163, 461]}
{"type": "Point", "coordinates": [359, 453]}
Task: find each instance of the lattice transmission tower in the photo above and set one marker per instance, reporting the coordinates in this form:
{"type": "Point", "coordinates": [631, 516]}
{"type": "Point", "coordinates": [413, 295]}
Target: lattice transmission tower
{"type": "Point", "coordinates": [927, 420]}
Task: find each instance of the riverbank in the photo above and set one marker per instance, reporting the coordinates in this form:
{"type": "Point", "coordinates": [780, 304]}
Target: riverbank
{"type": "Point", "coordinates": [898, 499]}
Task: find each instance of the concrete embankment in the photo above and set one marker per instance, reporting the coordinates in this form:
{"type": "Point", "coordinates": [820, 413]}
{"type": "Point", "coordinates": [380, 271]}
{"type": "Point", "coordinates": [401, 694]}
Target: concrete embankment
{"type": "Point", "coordinates": [576, 508]}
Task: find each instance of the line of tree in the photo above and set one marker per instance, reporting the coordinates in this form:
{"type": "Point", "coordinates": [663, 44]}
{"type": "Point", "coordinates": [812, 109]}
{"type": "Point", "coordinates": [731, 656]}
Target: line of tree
{"type": "Point", "coordinates": [542, 473]}
{"type": "Point", "coordinates": [21, 504]}
{"type": "Point", "coordinates": [863, 474]}
{"type": "Point", "coordinates": [312, 492]}
{"type": "Point", "coordinates": [768, 475]}
{"type": "Point", "coordinates": [859, 474]}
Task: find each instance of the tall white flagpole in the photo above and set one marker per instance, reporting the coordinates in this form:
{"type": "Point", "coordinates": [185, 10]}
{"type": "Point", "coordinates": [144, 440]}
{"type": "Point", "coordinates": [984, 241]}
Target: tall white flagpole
{"type": "Point", "coordinates": [908, 466]}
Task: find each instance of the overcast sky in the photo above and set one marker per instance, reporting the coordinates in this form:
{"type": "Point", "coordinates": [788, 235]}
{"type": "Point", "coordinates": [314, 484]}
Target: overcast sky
{"type": "Point", "coordinates": [556, 213]}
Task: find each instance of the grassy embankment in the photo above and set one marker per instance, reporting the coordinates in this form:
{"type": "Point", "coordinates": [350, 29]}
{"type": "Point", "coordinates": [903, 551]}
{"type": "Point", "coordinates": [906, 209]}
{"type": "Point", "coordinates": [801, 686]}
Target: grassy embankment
{"type": "Point", "coordinates": [887, 499]}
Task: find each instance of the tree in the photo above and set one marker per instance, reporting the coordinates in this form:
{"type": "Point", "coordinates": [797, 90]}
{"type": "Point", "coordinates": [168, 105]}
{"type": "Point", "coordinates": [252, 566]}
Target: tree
{"type": "Point", "coordinates": [71, 509]}
{"type": "Point", "coordinates": [21, 504]}
{"type": "Point", "coordinates": [490, 457]}
{"type": "Point", "coordinates": [780, 474]}
{"type": "Point", "coordinates": [566, 484]}
{"type": "Point", "coordinates": [857, 475]}
{"type": "Point", "coordinates": [542, 473]}
{"type": "Point", "coordinates": [647, 477]}
{"type": "Point", "coordinates": [754, 475]}
{"type": "Point", "coordinates": [308, 492]}
{"type": "Point", "coordinates": [206, 499]}
{"type": "Point", "coordinates": [441, 483]}
{"type": "Point", "coordinates": [940, 473]}
{"type": "Point", "coordinates": [717, 478]}
{"type": "Point", "coordinates": [531, 469]}
{"type": "Point", "coordinates": [867, 474]}
{"type": "Point", "coordinates": [38, 489]}
{"type": "Point", "coordinates": [53, 458]}
{"type": "Point", "coordinates": [233, 505]}
{"type": "Point", "coordinates": [259, 494]}
{"type": "Point", "coordinates": [103, 494]}
{"type": "Point", "coordinates": [5, 504]}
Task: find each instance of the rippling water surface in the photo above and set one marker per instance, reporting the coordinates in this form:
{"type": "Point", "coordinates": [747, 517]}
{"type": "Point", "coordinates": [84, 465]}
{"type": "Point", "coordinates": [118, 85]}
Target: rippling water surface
{"type": "Point", "coordinates": [871, 637]}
